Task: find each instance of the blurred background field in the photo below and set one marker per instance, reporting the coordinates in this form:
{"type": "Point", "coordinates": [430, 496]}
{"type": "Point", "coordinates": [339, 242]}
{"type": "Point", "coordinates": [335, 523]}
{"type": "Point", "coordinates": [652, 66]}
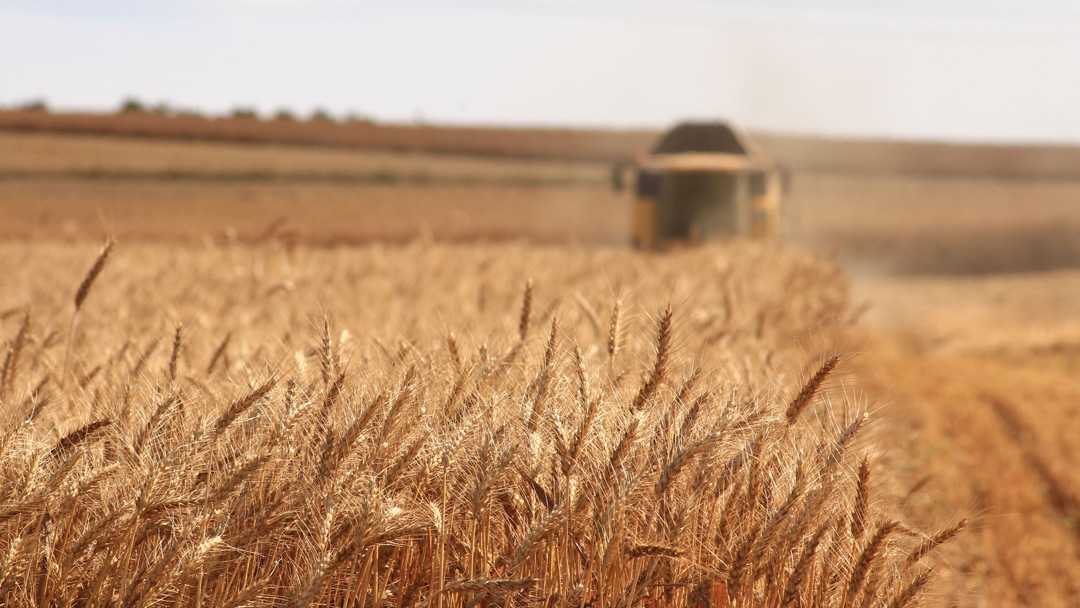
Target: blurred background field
{"type": "Point", "coordinates": [937, 217]}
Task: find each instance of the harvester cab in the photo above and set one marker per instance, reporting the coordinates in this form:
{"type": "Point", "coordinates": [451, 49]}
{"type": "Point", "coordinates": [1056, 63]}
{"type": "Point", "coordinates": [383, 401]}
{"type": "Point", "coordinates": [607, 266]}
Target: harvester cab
{"type": "Point", "coordinates": [703, 181]}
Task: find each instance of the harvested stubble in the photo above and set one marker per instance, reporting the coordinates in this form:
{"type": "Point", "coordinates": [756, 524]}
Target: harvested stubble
{"type": "Point", "coordinates": [456, 435]}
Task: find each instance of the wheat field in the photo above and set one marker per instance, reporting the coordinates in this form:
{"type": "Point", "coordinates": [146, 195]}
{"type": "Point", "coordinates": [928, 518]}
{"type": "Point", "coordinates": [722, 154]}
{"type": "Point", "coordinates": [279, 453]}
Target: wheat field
{"type": "Point", "coordinates": [439, 425]}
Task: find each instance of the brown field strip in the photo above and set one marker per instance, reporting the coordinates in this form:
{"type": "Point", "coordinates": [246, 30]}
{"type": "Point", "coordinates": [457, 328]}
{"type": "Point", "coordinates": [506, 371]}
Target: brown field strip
{"type": "Point", "coordinates": [553, 143]}
{"type": "Point", "coordinates": [313, 212]}
{"type": "Point", "coordinates": [44, 155]}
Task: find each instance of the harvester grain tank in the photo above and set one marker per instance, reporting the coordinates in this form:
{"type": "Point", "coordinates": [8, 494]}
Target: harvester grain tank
{"type": "Point", "coordinates": [704, 181]}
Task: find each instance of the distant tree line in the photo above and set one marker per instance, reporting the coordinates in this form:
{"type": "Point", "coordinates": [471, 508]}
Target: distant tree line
{"type": "Point", "coordinates": [133, 105]}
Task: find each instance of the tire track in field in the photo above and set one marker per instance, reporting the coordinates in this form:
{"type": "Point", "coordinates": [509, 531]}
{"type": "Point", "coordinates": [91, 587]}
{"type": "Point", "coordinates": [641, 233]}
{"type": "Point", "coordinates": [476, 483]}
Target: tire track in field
{"type": "Point", "coordinates": [1060, 497]}
{"type": "Point", "coordinates": [992, 435]}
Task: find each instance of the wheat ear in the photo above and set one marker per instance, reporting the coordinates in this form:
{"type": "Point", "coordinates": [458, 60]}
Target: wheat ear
{"type": "Point", "coordinates": [80, 296]}
{"type": "Point", "coordinates": [801, 400]}
{"type": "Point", "coordinates": [912, 590]}
{"type": "Point", "coordinates": [660, 365]}
{"type": "Point", "coordinates": [934, 541]}
{"type": "Point", "coordinates": [526, 311]}
{"type": "Point", "coordinates": [862, 500]}
{"type": "Point", "coordinates": [866, 559]}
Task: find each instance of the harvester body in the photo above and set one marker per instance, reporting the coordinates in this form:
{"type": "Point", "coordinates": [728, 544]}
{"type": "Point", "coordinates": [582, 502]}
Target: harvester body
{"type": "Point", "coordinates": [704, 181]}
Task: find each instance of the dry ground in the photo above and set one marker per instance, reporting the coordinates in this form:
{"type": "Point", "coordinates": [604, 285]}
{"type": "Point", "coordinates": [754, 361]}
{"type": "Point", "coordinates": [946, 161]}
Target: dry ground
{"type": "Point", "coordinates": [981, 373]}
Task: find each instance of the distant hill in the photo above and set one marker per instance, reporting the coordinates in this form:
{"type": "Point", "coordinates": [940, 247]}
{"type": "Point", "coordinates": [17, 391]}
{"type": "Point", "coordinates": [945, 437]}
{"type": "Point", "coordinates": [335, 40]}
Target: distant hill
{"type": "Point", "coordinates": [798, 153]}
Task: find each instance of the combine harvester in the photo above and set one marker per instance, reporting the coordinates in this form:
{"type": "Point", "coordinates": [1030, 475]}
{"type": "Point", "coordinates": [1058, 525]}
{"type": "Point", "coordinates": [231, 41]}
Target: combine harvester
{"type": "Point", "coordinates": [703, 181]}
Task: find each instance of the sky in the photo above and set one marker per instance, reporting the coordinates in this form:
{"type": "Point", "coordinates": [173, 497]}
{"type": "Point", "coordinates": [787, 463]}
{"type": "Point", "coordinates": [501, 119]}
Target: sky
{"type": "Point", "coordinates": [990, 71]}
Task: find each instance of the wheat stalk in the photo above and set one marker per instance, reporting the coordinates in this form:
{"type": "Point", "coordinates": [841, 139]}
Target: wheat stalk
{"type": "Point", "coordinates": [11, 360]}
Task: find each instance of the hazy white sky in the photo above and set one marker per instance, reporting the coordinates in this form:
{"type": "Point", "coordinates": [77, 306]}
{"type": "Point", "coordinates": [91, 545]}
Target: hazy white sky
{"type": "Point", "coordinates": [1006, 70]}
